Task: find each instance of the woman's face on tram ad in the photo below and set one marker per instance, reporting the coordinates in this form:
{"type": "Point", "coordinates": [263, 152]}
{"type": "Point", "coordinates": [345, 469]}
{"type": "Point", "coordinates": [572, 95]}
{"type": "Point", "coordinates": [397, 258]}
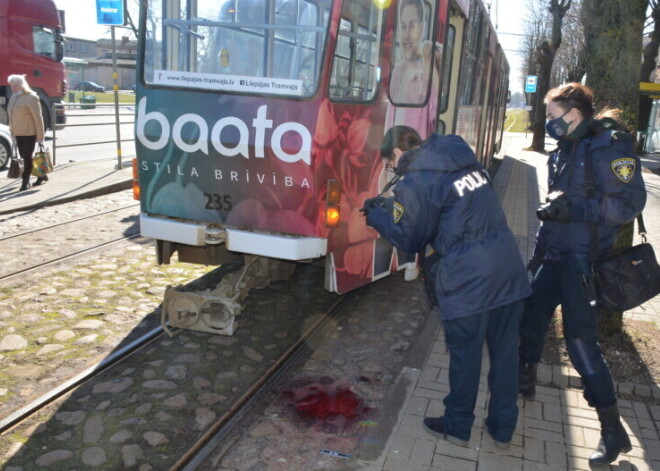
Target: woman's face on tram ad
{"type": "Point", "coordinates": [410, 32]}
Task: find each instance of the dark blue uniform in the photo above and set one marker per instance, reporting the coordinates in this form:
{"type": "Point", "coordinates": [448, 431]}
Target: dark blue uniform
{"type": "Point", "coordinates": [445, 199]}
{"type": "Point", "coordinates": [564, 248]}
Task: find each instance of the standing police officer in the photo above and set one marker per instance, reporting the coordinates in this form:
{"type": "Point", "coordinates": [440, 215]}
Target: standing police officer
{"type": "Point", "coordinates": [560, 265]}
{"type": "Point", "coordinates": [444, 198]}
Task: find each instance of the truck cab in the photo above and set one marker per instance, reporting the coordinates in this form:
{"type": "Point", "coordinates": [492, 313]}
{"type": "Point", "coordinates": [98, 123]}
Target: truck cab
{"type": "Point", "coordinates": [31, 44]}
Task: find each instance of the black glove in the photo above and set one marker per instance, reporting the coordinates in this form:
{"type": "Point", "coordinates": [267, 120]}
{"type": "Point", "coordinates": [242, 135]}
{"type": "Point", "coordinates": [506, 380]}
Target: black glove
{"type": "Point", "coordinates": [373, 202]}
{"type": "Point", "coordinates": [562, 213]}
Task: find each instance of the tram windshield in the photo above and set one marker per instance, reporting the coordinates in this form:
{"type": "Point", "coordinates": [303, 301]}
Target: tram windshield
{"type": "Point", "coordinates": [252, 46]}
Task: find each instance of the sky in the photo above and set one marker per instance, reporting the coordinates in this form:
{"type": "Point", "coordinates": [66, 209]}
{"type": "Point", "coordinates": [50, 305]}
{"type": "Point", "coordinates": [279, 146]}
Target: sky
{"type": "Point", "coordinates": [507, 15]}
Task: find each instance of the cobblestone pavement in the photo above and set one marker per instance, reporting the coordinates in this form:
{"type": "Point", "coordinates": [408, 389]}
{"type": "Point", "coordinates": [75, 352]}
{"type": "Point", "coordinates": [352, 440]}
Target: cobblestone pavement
{"type": "Point", "coordinates": [59, 322]}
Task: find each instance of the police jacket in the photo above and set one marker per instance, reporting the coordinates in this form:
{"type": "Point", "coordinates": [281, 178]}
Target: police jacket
{"type": "Point", "coordinates": [445, 199]}
{"type": "Point", "coordinates": [620, 194]}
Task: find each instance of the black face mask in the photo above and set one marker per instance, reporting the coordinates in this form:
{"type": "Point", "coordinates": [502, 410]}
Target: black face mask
{"type": "Point", "coordinates": [557, 128]}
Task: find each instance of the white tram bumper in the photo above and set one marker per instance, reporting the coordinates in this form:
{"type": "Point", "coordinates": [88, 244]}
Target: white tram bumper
{"type": "Point", "coordinates": [265, 244]}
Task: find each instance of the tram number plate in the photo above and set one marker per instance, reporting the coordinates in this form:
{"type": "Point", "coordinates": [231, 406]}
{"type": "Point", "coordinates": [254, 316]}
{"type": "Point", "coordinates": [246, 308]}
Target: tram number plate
{"type": "Point", "coordinates": [218, 202]}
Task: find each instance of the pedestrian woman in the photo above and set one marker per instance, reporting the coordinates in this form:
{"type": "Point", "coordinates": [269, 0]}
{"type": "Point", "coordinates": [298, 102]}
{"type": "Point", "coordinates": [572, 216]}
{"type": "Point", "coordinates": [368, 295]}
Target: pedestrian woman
{"type": "Point", "coordinates": [26, 124]}
{"type": "Point", "coordinates": [561, 266]}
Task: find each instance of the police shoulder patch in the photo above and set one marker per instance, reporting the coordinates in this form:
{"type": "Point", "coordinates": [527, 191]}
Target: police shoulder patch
{"type": "Point", "coordinates": [623, 168]}
{"type": "Point", "coordinates": [397, 212]}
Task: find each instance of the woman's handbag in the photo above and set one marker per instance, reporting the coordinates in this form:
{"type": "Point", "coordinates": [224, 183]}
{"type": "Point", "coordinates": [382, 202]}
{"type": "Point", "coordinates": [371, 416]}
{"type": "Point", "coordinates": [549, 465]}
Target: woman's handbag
{"type": "Point", "coordinates": [41, 162]}
{"type": "Point", "coordinates": [16, 165]}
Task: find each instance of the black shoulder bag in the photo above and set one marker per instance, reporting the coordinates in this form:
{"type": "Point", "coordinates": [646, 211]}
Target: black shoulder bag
{"type": "Point", "coordinates": [627, 277]}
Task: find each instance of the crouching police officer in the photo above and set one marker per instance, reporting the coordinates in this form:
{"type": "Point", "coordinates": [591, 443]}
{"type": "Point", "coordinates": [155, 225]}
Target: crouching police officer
{"type": "Point", "coordinates": [561, 263]}
{"type": "Point", "coordinates": [443, 197]}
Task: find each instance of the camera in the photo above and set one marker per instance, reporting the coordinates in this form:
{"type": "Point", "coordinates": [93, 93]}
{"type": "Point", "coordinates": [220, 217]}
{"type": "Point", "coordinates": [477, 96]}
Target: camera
{"type": "Point", "coordinates": [554, 202]}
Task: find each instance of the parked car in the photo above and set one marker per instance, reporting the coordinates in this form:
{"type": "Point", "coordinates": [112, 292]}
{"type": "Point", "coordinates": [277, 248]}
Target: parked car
{"type": "Point", "coordinates": [89, 87]}
{"type": "Point", "coordinates": [5, 146]}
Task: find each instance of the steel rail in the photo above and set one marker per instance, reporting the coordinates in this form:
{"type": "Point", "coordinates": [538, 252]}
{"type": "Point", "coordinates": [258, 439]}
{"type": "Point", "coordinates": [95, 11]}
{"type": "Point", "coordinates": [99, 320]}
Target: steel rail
{"type": "Point", "coordinates": [71, 221]}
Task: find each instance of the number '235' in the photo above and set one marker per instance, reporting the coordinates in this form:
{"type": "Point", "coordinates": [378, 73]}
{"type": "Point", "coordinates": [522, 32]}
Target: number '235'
{"type": "Point", "coordinates": [218, 202]}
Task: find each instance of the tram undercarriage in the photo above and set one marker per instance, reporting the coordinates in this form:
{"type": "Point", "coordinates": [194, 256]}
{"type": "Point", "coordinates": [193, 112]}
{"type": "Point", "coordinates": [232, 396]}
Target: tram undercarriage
{"type": "Point", "coordinates": [215, 310]}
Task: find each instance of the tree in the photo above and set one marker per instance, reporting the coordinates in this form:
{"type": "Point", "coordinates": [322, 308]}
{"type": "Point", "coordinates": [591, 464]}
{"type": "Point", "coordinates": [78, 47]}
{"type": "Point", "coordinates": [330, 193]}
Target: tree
{"type": "Point", "coordinates": [651, 49]}
{"type": "Point", "coordinates": [613, 31]}
{"type": "Point", "coordinates": [544, 57]}
{"type": "Point", "coordinates": [570, 61]}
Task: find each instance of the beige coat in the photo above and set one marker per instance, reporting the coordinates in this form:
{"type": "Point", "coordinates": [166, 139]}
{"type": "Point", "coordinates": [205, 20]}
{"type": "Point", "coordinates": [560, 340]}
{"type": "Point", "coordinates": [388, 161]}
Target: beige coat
{"type": "Point", "coordinates": [25, 115]}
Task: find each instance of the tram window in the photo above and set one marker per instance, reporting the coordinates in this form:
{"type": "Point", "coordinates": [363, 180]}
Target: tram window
{"type": "Point", "coordinates": [233, 45]}
{"type": "Point", "coordinates": [412, 64]}
{"type": "Point", "coordinates": [446, 71]}
{"type": "Point", "coordinates": [474, 61]}
{"type": "Point", "coordinates": [355, 71]}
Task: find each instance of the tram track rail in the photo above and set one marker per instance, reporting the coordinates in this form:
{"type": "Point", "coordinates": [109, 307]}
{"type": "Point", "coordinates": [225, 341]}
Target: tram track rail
{"type": "Point", "coordinates": [63, 223]}
{"type": "Point", "coordinates": [90, 373]}
{"type": "Point", "coordinates": [15, 274]}
{"type": "Point", "coordinates": [90, 234]}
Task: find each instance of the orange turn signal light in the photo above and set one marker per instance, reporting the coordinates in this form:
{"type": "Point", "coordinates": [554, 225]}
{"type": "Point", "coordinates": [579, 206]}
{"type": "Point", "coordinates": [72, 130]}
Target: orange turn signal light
{"type": "Point", "coordinates": [332, 216]}
{"type": "Point", "coordinates": [332, 201]}
{"type": "Point", "coordinates": [136, 181]}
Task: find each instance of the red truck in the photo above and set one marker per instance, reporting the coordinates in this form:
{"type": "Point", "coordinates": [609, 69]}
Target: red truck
{"type": "Point", "coordinates": [31, 44]}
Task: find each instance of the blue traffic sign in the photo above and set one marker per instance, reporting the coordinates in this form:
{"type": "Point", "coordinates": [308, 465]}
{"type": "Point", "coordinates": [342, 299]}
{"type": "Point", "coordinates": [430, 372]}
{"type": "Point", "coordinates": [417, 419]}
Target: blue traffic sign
{"type": "Point", "coordinates": [530, 84]}
{"type": "Point", "coordinates": [110, 12]}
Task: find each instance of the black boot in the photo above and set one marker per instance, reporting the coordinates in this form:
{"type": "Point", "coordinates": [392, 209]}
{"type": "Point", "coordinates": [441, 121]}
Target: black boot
{"type": "Point", "coordinates": [40, 180]}
{"type": "Point", "coordinates": [527, 379]}
{"type": "Point", "coordinates": [614, 438]}
{"type": "Point", "coordinates": [26, 184]}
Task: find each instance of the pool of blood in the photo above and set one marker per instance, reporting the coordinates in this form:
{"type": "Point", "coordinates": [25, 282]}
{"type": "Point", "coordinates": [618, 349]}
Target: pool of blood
{"type": "Point", "coordinates": [325, 399]}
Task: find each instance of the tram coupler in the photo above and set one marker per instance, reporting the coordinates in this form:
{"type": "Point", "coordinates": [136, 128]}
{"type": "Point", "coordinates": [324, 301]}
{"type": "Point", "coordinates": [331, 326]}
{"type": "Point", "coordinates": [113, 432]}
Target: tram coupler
{"type": "Point", "coordinates": [215, 310]}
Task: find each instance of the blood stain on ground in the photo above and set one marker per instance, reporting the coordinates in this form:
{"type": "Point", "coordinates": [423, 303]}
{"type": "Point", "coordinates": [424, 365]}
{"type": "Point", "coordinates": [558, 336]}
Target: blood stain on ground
{"type": "Point", "coordinates": [325, 400]}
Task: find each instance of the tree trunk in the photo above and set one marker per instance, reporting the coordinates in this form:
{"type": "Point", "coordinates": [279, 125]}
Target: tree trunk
{"type": "Point", "coordinates": [613, 30]}
{"type": "Point", "coordinates": [544, 57]}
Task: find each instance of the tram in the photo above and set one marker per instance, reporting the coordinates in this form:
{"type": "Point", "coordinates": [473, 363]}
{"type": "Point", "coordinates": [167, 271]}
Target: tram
{"type": "Point", "coordinates": [259, 124]}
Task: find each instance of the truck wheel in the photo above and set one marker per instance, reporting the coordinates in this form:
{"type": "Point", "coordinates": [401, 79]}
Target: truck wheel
{"type": "Point", "coordinates": [5, 154]}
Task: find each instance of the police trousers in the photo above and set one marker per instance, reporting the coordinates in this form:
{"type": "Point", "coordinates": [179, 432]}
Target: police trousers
{"type": "Point", "coordinates": [465, 339]}
{"type": "Point", "coordinates": [561, 282]}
